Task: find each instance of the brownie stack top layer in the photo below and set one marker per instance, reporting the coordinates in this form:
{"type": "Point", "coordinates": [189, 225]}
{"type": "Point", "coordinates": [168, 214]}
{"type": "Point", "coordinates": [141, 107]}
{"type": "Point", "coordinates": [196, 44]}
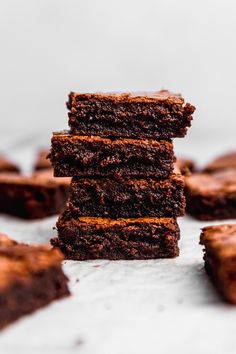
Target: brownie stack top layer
{"type": "Point", "coordinates": [93, 156]}
{"type": "Point", "coordinates": [157, 115]}
{"type": "Point", "coordinates": [128, 198]}
{"type": "Point", "coordinates": [84, 238]}
{"type": "Point", "coordinates": [19, 262]}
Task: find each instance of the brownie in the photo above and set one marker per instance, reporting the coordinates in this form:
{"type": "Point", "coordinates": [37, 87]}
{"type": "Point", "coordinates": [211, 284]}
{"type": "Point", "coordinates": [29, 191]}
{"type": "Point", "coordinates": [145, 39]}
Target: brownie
{"type": "Point", "coordinates": [212, 196]}
{"type": "Point", "coordinates": [33, 197]}
{"type": "Point", "coordinates": [128, 198]}
{"type": "Point", "coordinates": [226, 161]}
{"type": "Point", "coordinates": [220, 258]}
{"type": "Point", "coordinates": [155, 115]}
{"type": "Point", "coordinates": [8, 166]}
{"type": "Point", "coordinates": [83, 238]}
{"type": "Point", "coordinates": [31, 277]}
{"type": "Point", "coordinates": [42, 163]}
{"type": "Point", "coordinates": [186, 166]}
{"type": "Point", "coordinates": [93, 156]}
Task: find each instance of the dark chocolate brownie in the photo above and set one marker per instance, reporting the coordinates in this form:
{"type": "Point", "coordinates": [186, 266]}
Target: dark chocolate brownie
{"type": "Point", "coordinates": [155, 115]}
{"type": "Point", "coordinates": [42, 163]}
{"type": "Point", "coordinates": [212, 196]}
{"type": "Point", "coordinates": [90, 156]}
{"type": "Point", "coordinates": [128, 198]}
{"type": "Point", "coordinates": [8, 166]}
{"type": "Point", "coordinates": [226, 161]}
{"type": "Point", "coordinates": [34, 197]}
{"type": "Point", "coordinates": [83, 238]}
{"type": "Point", "coordinates": [31, 277]}
{"type": "Point", "coordinates": [186, 166]}
{"type": "Point", "coordinates": [220, 258]}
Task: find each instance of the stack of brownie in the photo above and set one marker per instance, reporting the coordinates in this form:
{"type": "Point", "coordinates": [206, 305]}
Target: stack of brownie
{"type": "Point", "coordinates": [125, 193]}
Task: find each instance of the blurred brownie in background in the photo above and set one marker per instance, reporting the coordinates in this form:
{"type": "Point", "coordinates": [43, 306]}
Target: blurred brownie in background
{"type": "Point", "coordinates": [220, 258]}
{"type": "Point", "coordinates": [211, 196]}
{"type": "Point", "coordinates": [8, 166]}
{"type": "Point", "coordinates": [42, 163]}
{"type": "Point", "coordinates": [222, 162]}
{"type": "Point", "coordinates": [185, 165]}
{"type": "Point", "coordinates": [33, 197]}
{"type": "Point", "coordinates": [31, 277]}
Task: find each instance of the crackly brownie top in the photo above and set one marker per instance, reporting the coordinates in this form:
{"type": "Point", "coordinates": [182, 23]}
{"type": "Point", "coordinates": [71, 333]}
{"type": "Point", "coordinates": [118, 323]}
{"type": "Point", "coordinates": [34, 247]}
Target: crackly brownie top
{"type": "Point", "coordinates": [6, 165]}
{"type": "Point", "coordinates": [217, 182]}
{"type": "Point", "coordinates": [225, 161]}
{"type": "Point", "coordinates": [40, 178]}
{"type": "Point", "coordinates": [66, 136]}
{"type": "Point", "coordinates": [162, 96]}
{"type": "Point", "coordinates": [18, 262]}
{"type": "Point", "coordinates": [221, 239]}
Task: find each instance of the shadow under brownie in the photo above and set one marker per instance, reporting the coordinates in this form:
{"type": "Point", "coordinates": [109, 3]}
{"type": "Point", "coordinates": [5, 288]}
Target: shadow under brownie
{"type": "Point", "coordinates": [155, 115]}
{"type": "Point", "coordinates": [90, 156]}
{"type": "Point", "coordinates": [128, 198]}
{"type": "Point", "coordinates": [83, 238]}
{"type": "Point", "coordinates": [31, 277]}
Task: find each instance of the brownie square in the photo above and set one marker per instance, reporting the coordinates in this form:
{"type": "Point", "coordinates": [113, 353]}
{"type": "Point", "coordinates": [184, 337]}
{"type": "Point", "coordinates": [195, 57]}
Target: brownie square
{"type": "Point", "coordinates": [42, 162]}
{"type": "Point", "coordinates": [33, 197]}
{"type": "Point", "coordinates": [211, 196]}
{"type": "Point", "coordinates": [226, 161]}
{"type": "Point", "coordinates": [83, 238]}
{"type": "Point", "coordinates": [93, 156]}
{"type": "Point", "coordinates": [128, 198]}
{"type": "Point", "coordinates": [31, 277]}
{"type": "Point", "coordinates": [220, 258]}
{"type": "Point", "coordinates": [8, 166]}
{"type": "Point", "coordinates": [153, 115]}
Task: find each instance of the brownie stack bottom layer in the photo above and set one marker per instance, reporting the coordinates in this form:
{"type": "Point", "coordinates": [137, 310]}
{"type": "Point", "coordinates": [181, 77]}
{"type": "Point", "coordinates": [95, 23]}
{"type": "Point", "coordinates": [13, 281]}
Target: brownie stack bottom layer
{"type": "Point", "coordinates": [83, 238]}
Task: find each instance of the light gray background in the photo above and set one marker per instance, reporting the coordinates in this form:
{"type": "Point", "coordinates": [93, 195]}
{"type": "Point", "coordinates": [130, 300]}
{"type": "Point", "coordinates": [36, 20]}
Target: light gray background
{"type": "Point", "coordinates": [49, 47]}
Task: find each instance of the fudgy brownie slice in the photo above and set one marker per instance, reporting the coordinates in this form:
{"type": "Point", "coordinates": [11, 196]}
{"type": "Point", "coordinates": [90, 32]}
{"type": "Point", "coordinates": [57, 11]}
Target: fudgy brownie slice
{"type": "Point", "coordinates": [226, 161]}
{"type": "Point", "coordinates": [8, 166]}
{"type": "Point", "coordinates": [31, 277]}
{"type": "Point", "coordinates": [155, 115]}
{"type": "Point", "coordinates": [83, 238]}
{"type": "Point", "coordinates": [42, 163]}
{"type": "Point", "coordinates": [33, 197]}
{"type": "Point", "coordinates": [128, 198]}
{"type": "Point", "coordinates": [90, 156]}
{"type": "Point", "coordinates": [211, 196]}
{"type": "Point", "coordinates": [220, 258]}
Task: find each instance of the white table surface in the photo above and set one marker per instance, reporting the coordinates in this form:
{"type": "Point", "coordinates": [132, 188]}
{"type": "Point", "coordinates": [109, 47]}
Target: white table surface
{"type": "Point", "coordinates": [156, 306]}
